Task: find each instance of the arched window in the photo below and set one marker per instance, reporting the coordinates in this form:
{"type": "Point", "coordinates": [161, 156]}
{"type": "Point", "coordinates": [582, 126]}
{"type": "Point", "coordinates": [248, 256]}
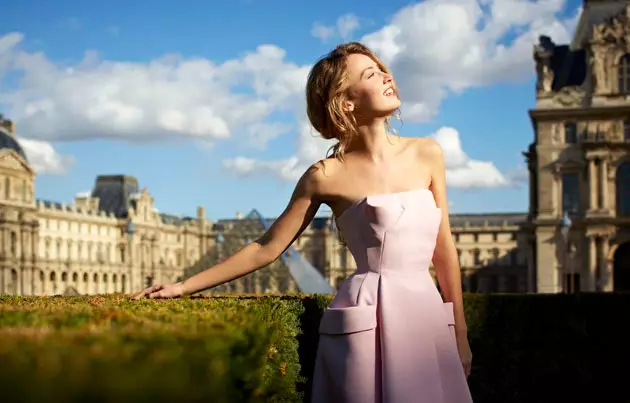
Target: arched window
{"type": "Point", "coordinates": [623, 190]}
{"type": "Point", "coordinates": [623, 74]}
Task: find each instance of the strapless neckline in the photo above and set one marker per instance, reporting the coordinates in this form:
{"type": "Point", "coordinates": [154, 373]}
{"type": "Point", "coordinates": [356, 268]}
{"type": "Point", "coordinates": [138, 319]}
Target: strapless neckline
{"type": "Point", "coordinates": [379, 195]}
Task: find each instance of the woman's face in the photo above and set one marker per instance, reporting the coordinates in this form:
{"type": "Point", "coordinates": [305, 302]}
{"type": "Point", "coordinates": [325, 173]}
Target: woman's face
{"type": "Point", "coordinates": [371, 92]}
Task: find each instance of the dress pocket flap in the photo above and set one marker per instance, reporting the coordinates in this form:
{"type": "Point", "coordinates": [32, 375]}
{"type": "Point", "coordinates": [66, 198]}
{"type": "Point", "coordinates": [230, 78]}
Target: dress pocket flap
{"type": "Point", "coordinates": [348, 320]}
{"type": "Point", "coordinates": [450, 315]}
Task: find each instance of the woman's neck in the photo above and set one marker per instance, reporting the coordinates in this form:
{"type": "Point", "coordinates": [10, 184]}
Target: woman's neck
{"type": "Point", "coordinates": [373, 141]}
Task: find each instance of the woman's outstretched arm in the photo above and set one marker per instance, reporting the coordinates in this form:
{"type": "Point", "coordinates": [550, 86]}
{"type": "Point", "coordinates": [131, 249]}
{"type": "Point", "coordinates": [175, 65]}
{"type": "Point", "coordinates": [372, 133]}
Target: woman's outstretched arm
{"type": "Point", "coordinates": [299, 212]}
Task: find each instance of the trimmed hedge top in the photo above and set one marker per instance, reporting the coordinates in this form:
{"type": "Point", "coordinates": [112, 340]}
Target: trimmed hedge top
{"type": "Point", "coordinates": [111, 349]}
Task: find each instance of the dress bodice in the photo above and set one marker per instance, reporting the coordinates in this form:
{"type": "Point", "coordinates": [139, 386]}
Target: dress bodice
{"type": "Point", "coordinates": [392, 231]}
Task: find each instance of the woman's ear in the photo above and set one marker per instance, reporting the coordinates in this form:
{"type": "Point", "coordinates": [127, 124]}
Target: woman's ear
{"type": "Point", "coordinates": [348, 106]}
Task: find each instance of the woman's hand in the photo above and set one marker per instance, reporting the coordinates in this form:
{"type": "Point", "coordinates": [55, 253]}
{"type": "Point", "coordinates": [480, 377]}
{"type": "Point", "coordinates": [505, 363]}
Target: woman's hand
{"type": "Point", "coordinates": [465, 355]}
{"type": "Point", "coordinates": [174, 290]}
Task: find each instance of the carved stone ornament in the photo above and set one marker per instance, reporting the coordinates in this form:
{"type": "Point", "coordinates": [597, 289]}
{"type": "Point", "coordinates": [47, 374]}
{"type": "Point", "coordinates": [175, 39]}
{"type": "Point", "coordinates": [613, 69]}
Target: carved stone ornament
{"type": "Point", "coordinates": [556, 133]}
{"type": "Point", "coordinates": [610, 39]}
{"type": "Point", "coordinates": [613, 30]}
{"type": "Point", "coordinates": [570, 96]}
{"type": "Point", "coordinates": [563, 164]}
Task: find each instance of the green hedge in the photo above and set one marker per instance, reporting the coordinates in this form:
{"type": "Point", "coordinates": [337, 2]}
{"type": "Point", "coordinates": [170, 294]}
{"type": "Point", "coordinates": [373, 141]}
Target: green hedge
{"type": "Point", "coordinates": [526, 348]}
{"type": "Point", "coordinates": [110, 349]}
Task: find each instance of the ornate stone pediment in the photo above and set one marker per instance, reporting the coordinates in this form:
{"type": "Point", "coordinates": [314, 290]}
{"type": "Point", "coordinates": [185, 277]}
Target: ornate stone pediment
{"type": "Point", "coordinates": [570, 97]}
{"type": "Point", "coordinates": [11, 160]}
{"type": "Point", "coordinates": [568, 163]}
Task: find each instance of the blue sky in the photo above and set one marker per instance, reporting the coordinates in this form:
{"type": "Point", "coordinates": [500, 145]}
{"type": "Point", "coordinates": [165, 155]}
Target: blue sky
{"type": "Point", "coordinates": [202, 101]}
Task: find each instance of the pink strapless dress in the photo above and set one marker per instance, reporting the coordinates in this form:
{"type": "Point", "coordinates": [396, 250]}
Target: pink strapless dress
{"type": "Point", "coordinates": [388, 336]}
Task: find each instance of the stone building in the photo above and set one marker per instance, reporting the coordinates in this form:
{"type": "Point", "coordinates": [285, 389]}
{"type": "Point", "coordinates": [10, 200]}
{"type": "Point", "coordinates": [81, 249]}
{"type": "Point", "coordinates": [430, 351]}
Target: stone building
{"type": "Point", "coordinates": [112, 240]}
{"type": "Point", "coordinates": [579, 162]}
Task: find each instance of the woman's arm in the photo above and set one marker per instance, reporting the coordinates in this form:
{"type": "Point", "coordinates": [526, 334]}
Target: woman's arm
{"type": "Point", "coordinates": [299, 212]}
{"type": "Point", "coordinates": [445, 257]}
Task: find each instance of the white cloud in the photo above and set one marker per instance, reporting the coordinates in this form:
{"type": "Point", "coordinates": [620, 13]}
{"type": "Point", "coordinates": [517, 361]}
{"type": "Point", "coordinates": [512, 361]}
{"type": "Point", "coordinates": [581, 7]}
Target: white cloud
{"type": "Point", "coordinates": [435, 47]}
{"type": "Point", "coordinates": [262, 133]}
{"type": "Point", "coordinates": [323, 32]}
{"type": "Point", "coordinates": [461, 170]}
{"type": "Point", "coordinates": [345, 26]}
{"type": "Point", "coordinates": [310, 148]}
{"type": "Point", "coordinates": [440, 46]}
{"type": "Point", "coordinates": [43, 158]}
{"type": "Point", "coordinates": [165, 97]}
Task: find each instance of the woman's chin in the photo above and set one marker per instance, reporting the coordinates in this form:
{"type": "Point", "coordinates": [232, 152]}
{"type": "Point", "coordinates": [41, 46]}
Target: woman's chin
{"type": "Point", "coordinates": [392, 105]}
{"type": "Point", "coordinates": [389, 110]}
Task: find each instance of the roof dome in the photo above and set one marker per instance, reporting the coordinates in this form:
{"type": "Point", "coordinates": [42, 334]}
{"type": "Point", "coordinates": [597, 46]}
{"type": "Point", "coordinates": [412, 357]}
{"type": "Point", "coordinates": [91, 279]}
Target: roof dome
{"type": "Point", "coordinates": [7, 141]}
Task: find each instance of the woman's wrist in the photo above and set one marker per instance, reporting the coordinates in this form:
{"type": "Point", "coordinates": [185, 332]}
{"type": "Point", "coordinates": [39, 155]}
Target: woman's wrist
{"type": "Point", "coordinates": [183, 288]}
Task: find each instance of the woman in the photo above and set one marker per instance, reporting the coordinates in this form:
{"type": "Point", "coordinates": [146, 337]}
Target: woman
{"type": "Point", "coordinates": [387, 336]}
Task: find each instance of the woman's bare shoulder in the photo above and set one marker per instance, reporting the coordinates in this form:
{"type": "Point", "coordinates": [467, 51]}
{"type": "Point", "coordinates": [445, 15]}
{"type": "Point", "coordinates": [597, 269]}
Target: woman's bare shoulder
{"type": "Point", "coordinates": [321, 174]}
{"type": "Point", "coordinates": [428, 149]}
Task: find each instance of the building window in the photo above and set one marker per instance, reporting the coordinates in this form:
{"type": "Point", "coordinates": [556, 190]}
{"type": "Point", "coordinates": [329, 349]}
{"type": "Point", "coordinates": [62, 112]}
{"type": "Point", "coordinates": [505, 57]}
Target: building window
{"type": "Point", "coordinates": [570, 133]}
{"type": "Point", "coordinates": [624, 74]}
{"type": "Point", "coordinates": [623, 190]}
{"type": "Point", "coordinates": [570, 193]}
{"type": "Point", "coordinates": [626, 130]}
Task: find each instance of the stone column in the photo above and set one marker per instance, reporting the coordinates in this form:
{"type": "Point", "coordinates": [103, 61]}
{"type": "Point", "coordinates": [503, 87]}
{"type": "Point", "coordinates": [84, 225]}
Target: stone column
{"type": "Point", "coordinates": [592, 184]}
{"type": "Point", "coordinates": [591, 283]}
{"type": "Point", "coordinates": [531, 267]}
{"type": "Point", "coordinates": [603, 169]}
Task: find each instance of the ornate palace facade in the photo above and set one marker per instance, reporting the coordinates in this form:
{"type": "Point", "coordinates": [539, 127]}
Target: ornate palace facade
{"type": "Point", "coordinates": [112, 240]}
{"type": "Point", "coordinates": [575, 236]}
{"type": "Point", "coordinates": [579, 162]}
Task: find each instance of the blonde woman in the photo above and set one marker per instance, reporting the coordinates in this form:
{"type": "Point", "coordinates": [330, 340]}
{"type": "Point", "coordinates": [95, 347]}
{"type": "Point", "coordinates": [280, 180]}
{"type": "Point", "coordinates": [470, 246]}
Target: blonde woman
{"type": "Point", "coordinates": [388, 336]}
